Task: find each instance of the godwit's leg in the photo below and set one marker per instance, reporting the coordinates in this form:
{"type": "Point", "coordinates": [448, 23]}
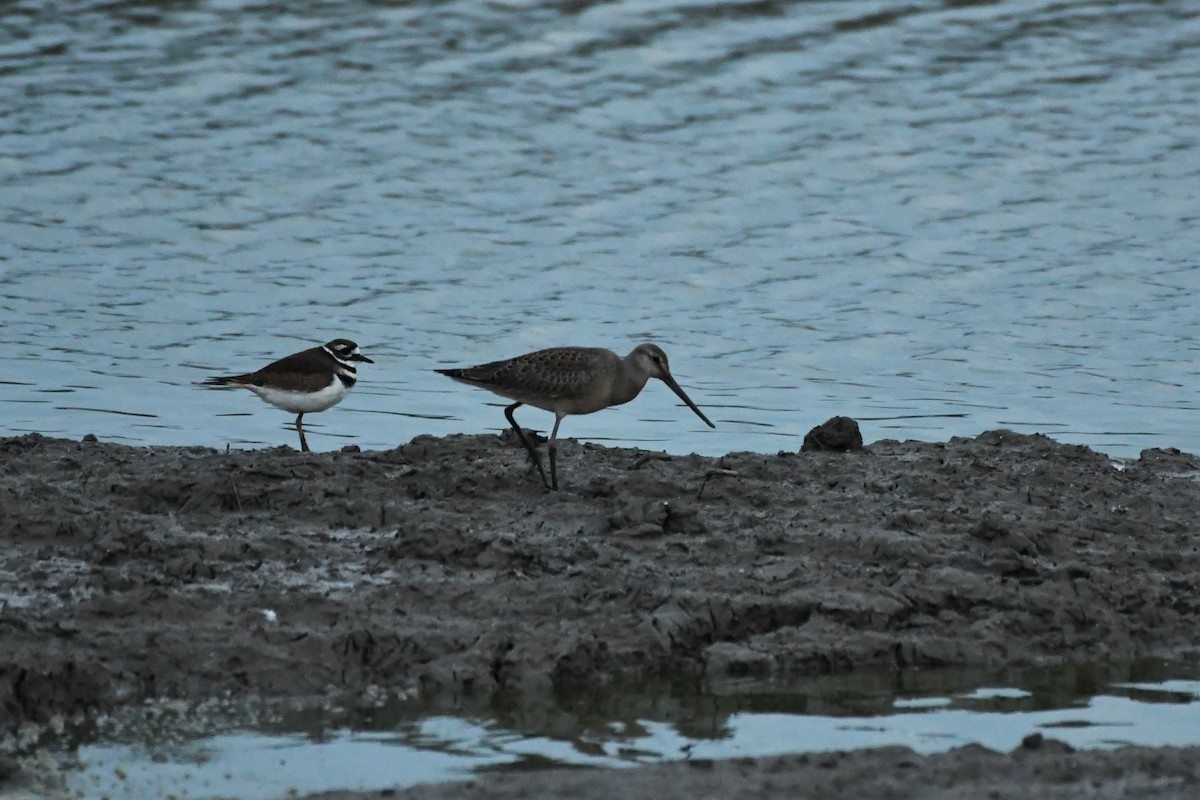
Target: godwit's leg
{"type": "Point", "coordinates": [300, 430]}
{"type": "Point", "coordinates": [533, 454]}
{"type": "Point", "coordinates": [552, 448]}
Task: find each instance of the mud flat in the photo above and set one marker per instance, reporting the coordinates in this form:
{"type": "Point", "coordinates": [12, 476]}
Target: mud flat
{"type": "Point", "coordinates": [443, 565]}
{"type": "Point", "coordinates": [1040, 769]}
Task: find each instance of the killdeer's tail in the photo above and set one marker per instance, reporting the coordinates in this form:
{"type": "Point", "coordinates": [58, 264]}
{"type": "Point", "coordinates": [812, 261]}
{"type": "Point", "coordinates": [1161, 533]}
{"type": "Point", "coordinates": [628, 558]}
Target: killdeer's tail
{"type": "Point", "coordinates": [229, 380]}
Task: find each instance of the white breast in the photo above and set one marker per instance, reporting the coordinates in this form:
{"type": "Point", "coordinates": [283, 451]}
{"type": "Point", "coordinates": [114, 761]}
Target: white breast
{"type": "Point", "coordinates": [303, 402]}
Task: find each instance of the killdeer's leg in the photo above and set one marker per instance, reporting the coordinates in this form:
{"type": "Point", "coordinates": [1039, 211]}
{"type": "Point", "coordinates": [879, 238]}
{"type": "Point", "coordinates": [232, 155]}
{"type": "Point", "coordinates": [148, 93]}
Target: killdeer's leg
{"type": "Point", "coordinates": [533, 454]}
{"type": "Point", "coordinates": [552, 448]}
{"type": "Point", "coordinates": [300, 430]}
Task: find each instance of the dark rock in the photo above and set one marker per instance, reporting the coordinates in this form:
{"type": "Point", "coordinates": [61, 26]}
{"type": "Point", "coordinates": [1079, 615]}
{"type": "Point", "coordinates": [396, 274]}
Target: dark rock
{"type": "Point", "coordinates": [839, 434]}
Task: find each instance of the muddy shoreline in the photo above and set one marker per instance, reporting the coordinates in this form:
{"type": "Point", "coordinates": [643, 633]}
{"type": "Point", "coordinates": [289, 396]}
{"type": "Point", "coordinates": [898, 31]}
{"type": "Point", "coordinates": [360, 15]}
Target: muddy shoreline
{"type": "Point", "coordinates": [444, 565]}
{"type": "Point", "coordinates": [1037, 769]}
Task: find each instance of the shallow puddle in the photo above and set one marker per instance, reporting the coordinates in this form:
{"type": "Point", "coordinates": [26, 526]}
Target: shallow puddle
{"type": "Point", "coordinates": [169, 751]}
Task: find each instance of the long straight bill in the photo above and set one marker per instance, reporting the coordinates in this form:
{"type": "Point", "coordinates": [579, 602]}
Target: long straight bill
{"type": "Point", "coordinates": [669, 381]}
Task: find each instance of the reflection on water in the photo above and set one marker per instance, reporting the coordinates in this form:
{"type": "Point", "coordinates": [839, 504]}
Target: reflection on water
{"type": "Point", "coordinates": [937, 220]}
{"type": "Point", "coordinates": [183, 752]}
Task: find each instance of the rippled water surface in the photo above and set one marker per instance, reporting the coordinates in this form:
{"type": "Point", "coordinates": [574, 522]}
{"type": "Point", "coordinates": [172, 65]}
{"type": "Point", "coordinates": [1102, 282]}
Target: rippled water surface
{"type": "Point", "coordinates": [935, 217]}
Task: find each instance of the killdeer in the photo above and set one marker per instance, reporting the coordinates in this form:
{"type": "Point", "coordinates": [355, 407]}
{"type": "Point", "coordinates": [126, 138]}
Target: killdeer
{"type": "Point", "coordinates": [309, 381]}
{"type": "Point", "coordinates": [571, 380]}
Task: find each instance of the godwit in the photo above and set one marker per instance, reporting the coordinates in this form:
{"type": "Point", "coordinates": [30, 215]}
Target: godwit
{"type": "Point", "coordinates": [570, 380]}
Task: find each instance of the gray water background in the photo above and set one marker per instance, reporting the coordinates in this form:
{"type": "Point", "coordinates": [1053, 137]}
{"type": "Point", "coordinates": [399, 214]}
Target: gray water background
{"type": "Point", "coordinates": [935, 217]}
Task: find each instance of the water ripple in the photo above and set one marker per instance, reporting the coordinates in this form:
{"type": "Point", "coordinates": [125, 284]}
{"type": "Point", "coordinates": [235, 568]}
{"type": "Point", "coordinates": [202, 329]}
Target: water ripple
{"type": "Point", "coordinates": [937, 217]}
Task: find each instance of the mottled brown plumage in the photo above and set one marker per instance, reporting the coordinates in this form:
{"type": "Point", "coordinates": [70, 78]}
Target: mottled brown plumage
{"type": "Point", "coordinates": [570, 380]}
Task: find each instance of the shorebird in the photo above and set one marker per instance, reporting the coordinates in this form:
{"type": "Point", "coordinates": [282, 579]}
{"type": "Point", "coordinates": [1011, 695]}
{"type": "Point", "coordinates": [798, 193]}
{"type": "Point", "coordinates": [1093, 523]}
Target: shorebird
{"type": "Point", "coordinates": [305, 382]}
{"type": "Point", "coordinates": [570, 380]}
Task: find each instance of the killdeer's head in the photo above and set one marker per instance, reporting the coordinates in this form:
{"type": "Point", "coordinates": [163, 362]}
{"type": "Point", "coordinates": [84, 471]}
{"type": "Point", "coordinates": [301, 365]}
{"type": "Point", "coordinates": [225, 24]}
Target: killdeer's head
{"type": "Point", "coordinates": [345, 352]}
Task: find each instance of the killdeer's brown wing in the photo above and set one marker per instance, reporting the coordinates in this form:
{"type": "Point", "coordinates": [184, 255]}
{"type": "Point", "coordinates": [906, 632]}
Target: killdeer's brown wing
{"type": "Point", "coordinates": [307, 371]}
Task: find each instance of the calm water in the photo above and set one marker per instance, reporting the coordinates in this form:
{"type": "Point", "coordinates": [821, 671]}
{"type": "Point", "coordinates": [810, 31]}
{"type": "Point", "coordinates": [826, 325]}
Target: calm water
{"type": "Point", "coordinates": [936, 217]}
{"type": "Point", "coordinates": [179, 753]}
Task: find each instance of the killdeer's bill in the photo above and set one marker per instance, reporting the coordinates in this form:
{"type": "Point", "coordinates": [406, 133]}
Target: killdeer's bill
{"type": "Point", "coordinates": [305, 382]}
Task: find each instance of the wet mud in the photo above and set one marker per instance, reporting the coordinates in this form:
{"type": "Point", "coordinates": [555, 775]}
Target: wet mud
{"type": "Point", "coordinates": [1048, 770]}
{"type": "Point", "coordinates": [444, 565]}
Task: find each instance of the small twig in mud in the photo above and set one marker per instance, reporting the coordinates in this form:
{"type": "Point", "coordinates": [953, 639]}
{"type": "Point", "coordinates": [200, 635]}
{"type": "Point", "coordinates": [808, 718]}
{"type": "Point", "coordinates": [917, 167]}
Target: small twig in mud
{"type": "Point", "coordinates": [236, 495]}
{"type": "Point", "coordinates": [382, 515]}
{"type": "Point", "coordinates": [713, 473]}
{"type": "Point", "coordinates": [646, 458]}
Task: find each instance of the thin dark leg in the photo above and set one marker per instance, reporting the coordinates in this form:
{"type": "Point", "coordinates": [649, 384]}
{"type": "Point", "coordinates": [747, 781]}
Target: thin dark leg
{"type": "Point", "coordinates": [533, 454]}
{"type": "Point", "coordinates": [552, 449]}
{"type": "Point", "coordinates": [300, 430]}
